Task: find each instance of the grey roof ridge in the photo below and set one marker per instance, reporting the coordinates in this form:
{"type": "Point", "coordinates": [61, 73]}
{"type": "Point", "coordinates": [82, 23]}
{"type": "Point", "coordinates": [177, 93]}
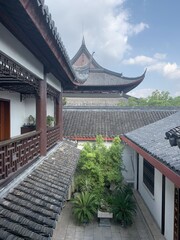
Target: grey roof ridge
{"type": "Point", "coordinates": [153, 124]}
{"type": "Point", "coordinates": [53, 29]}
{"type": "Point", "coordinates": [119, 108]}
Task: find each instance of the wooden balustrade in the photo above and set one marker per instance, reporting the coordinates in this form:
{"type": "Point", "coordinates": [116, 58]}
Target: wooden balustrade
{"type": "Point", "coordinates": [53, 134]}
{"type": "Point", "coordinates": [17, 152]}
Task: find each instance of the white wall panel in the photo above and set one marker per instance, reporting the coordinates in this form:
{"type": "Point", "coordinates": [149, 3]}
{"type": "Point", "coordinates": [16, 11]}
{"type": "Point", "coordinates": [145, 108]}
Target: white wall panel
{"type": "Point", "coordinates": [129, 163]}
{"type": "Point", "coordinates": [153, 202]}
{"type": "Point", "coordinates": [50, 107]}
{"type": "Point", "coordinates": [54, 82]}
{"type": "Point", "coordinates": [16, 50]}
{"type": "Point", "coordinates": [30, 108]}
{"type": "Point", "coordinates": [169, 210]}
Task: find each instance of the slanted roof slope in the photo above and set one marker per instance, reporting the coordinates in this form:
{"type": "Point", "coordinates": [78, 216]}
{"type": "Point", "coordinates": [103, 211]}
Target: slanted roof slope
{"type": "Point", "coordinates": [30, 211]}
{"type": "Point", "coordinates": [151, 138]}
{"type": "Point", "coordinates": [87, 122]}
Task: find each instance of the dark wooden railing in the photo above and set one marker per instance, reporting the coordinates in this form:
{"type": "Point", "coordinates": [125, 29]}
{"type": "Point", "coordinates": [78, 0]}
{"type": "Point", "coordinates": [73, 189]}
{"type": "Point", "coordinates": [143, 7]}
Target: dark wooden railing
{"type": "Point", "coordinates": [17, 152]}
{"type": "Point", "coordinates": [52, 136]}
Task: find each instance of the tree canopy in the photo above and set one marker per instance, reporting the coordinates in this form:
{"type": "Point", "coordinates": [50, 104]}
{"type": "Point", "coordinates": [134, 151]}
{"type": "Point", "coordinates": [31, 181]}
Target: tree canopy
{"type": "Point", "coordinates": [157, 98]}
{"type": "Point", "coordinates": [99, 165]}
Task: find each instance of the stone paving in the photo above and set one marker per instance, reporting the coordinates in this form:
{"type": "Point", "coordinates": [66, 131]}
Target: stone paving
{"type": "Point", "coordinates": [68, 229]}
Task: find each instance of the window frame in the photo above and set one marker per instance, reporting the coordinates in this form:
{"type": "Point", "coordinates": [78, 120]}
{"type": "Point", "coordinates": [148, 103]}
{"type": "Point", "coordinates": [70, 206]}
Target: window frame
{"type": "Point", "coordinates": [148, 176]}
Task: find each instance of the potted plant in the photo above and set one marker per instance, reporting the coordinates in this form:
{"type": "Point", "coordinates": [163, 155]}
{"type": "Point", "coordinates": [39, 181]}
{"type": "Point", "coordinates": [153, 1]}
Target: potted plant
{"type": "Point", "coordinates": [29, 126]}
{"type": "Point", "coordinates": [31, 120]}
{"type": "Point", "coordinates": [104, 210]}
{"type": "Point", "coordinates": [50, 121]}
{"type": "Point", "coordinates": [84, 207]}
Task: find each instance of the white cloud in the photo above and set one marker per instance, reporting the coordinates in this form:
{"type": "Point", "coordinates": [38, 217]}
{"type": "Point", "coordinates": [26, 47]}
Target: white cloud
{"type": "Point", "coordinates": [139, 60]}
{"type": "Point", "coordinates": [177, 94]}
{"type": "Point", "coordinates": [106, 26]}
{"type": "Point", "coordinates": [141, 93]}
{"type": "Point", "coordinates": [139, 27]}
{"type": "Point", "coordinates": [168, 70]}
{"type": "Point", "coordinates": [156, 63]}
{"type": "Point", "coordinates": [159, 56]}
{"type": "Point", "coordinates": [171, 70]}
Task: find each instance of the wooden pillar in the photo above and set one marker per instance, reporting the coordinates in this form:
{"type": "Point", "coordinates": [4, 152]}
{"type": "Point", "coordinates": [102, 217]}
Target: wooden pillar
{"type": "Point", "coordinates": [59, 115]}
{"type": "Point", "coordinates": [41, 106]}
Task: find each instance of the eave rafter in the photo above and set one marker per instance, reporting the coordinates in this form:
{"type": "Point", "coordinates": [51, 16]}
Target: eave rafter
{"type": "Point", "coordinates": [14, 77]}
{"type": "Point", "coordinates": [52, 92]}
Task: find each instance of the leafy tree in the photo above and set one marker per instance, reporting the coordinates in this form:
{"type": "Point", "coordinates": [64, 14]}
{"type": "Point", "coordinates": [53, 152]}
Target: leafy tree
{"type": "Point", "coordinates": [99, 166]}
{"type": "Point", "coordinates": [176, 101]}
{"type": "Point", "coordinates": [157, 98]}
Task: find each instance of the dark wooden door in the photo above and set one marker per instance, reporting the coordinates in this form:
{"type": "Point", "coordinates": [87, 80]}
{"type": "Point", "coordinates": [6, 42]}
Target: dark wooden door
{"type": "Point", "coordinates": [4, 120]}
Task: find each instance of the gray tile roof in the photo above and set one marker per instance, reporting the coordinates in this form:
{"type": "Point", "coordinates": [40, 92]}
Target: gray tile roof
{"type": "Point", "coordinates": [100, 76]}
{"type": "Point", "coordinates": [30, 211]}
{"type": "Point", "coordinates": [109, 121]}
{"type": "Point", "coordinates": [151, 138]}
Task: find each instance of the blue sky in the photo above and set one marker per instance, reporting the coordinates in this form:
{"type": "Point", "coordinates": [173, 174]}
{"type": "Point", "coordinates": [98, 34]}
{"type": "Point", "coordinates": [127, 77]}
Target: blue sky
{"type": "Point", "coordinates": [127, 36]}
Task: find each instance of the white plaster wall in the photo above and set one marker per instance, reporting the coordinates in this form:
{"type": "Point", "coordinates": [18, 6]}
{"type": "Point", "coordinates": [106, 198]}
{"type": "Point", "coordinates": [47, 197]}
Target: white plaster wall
{"type": "Point", "coordinates": [54, 82]}
{"type": "Point", "coordinates": [152, 202]}
{"type": "Point", "coordinates": [17, 112]}
{"type": "Point", "coordinates": [30, 108]}
{"type": "Point", "coordinates": [50, 107]}
{"type": "Point", "coordinates": [129, 163]}
{"type": "Point", "coordinates": [169, 210]}
{"type": "Point", "coordinates": [81, 144]}
{"type": "Point", "coordinates": [16, 50]}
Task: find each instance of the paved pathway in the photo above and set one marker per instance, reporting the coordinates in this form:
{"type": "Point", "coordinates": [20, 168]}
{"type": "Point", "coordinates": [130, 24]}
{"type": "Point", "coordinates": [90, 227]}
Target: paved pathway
{"type": "Point", "coordinates": [68, 229]}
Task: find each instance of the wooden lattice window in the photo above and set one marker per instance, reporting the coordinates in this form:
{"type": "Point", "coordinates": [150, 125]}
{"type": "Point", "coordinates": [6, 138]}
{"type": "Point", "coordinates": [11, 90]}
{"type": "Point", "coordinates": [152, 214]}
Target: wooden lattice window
{"type": "Point", "coordinates": [148, 176]}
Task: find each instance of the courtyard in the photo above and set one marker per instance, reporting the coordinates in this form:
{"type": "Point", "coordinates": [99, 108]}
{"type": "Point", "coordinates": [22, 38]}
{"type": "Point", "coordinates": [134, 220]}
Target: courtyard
{"type": "Point", "coordinates": [68, 229]}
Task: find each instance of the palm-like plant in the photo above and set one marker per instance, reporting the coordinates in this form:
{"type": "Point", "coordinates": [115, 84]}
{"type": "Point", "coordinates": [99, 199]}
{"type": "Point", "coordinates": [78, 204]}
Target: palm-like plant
{"type": "Point", "coordinates": [124, 206]}
{"type": "Point", "coordinates": [84, 207]}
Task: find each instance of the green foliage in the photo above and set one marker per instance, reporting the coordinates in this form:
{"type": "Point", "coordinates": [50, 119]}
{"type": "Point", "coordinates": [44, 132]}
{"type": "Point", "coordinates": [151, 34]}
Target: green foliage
{"type": "Point", "coordinates": [123, 205]}
{"type": "Point", "coordinates": [99, 165]}
{"type": "Point", "coordinates": [84, 184]}
{"type": "Point", "coordinates": [84, 206]}
{"type": "Point", "coordinates": [49, 120]}
{"type": "Point", "coordinates": [31, 120]}
{"type": "Point", "coordinates": [64, 101]}
{"type": "Point", "coordinates": [157, 98]}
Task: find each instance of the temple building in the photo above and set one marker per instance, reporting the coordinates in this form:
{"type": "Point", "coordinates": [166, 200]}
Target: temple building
{"type": "Point", "coordinates": [37, 163]}
{"type": "Point", "coordinates": [97, 84]}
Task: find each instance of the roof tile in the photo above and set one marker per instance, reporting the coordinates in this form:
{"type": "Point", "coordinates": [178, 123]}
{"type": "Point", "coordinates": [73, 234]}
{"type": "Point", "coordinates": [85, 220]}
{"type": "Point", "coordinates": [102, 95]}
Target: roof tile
{"type": "Point", "coordinates": [30, 211]}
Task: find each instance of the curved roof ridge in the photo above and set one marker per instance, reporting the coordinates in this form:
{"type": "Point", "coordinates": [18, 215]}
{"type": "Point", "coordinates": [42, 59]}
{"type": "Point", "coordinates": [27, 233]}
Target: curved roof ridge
{"type": "Point", "coordinates": [83, 49]}
{"type": "Point", "coordinates": [98, 67]}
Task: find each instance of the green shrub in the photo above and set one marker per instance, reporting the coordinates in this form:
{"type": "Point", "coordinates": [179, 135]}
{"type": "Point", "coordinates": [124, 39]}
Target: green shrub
{"type": "Point", "coordinates": [100, 165]}
{"type": "Point", "coordinates": [84, 207]}
{"type": "Point", "coordinates": [124, 206]}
